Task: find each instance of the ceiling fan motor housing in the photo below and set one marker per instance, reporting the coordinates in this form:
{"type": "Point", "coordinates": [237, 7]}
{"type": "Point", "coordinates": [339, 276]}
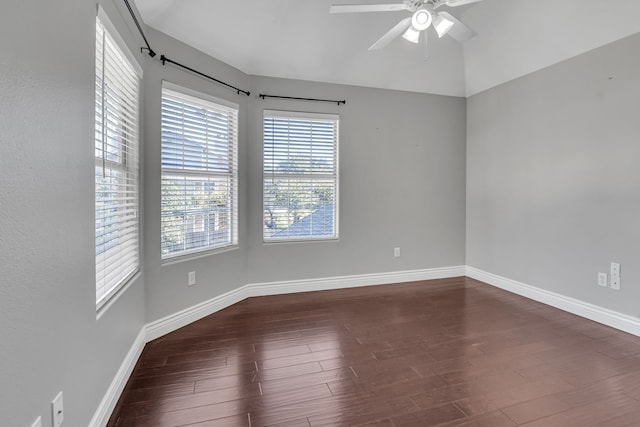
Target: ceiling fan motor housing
{"type": "Point", "coordinates": [423, 15]}
{"type": "Point", "coordinates": [421, 19]}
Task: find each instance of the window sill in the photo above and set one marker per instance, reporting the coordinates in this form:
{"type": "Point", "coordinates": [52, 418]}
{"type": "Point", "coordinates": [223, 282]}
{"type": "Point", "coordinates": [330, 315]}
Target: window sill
{"type": "Point", "coordinates": [104, 305]}
{"type": "Point", "coordinates": [195, 255]}
{"type": "Point", "coordinates": [317, 240]}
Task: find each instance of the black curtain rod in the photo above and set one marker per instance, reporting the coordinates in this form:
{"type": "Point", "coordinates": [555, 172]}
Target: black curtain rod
{"type": "Point", "coordinates": [133, 15]}
{"type": "Point", "coordinates": [165, 59]}
{"type": "Point", "coordinates": [303, 99]}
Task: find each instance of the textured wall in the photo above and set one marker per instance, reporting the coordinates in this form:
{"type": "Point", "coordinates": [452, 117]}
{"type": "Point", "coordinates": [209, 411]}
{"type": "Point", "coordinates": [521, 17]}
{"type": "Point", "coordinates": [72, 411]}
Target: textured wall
{"type": "Point", "coordinates": [50, 338]}
{"type": "Point", "coordinates": [402, 183]}
{"type": "Point", "coordinates": [552, 176]}
{"type": "Point", "coordinates": [551, 195]}
{"type": "Point", "coordinates": [166, 284]}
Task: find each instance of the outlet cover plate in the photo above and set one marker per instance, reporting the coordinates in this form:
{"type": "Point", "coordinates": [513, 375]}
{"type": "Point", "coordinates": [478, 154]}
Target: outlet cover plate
{"type": "Point", "coordinates": [192, 278]}
{"type": "Point", "coordinates": [602, 279]}
{"type": "Point", "coordinates": [615, 276]}
{"type": "Point", "coordinates": [57, 411]}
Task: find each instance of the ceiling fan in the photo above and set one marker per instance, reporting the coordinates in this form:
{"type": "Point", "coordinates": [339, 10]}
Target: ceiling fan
{"type": "Point", "coordinates": [424, 15]}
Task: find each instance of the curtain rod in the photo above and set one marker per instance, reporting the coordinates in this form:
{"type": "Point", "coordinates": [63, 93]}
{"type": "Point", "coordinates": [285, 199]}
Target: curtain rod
{"type": "Point", "coordinates": [263, 96]}
{"type": "Point", "coordinates": [133, 15]}
{"type": "Point", "coordinates": [165, 59]}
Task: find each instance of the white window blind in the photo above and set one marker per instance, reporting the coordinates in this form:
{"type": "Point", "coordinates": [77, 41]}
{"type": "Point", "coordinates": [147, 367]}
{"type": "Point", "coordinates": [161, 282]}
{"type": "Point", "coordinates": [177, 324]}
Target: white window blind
{"type": "Point", "coordinates": [116, 169]}
{"type": "Point", "coordinates": [300, 176]}
{"type": "Point", "coordinates": [199, 173]}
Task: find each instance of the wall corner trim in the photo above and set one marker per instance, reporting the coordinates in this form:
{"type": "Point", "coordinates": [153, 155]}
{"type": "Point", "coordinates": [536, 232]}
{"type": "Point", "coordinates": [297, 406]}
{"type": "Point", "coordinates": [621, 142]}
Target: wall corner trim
{"type": "Point", "coordinates": [589, 311]}
{"type": "Point", "coordinates": [110, 399]}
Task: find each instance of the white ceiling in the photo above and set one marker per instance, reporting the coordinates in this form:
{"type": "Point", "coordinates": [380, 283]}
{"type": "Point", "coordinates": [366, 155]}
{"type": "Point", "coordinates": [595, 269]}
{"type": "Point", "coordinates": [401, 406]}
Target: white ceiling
{"type": "Point", "coordinates": [299, 39]}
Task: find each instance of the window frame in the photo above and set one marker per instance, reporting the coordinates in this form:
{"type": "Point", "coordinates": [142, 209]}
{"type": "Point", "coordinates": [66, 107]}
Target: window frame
{"type": "Point", "coordinates": [309, 116]}
{"type": "Point", "coordinates": [129, 164]}
{"type": "Point", "coordinates": [200, 100]}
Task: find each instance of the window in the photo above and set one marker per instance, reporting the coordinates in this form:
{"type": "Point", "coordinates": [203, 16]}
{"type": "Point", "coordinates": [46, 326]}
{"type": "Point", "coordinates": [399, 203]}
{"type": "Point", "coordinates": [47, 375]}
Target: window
{"type": "Point", "coordinates": [300, 191]}
{"type": "Point", "coordinates": [116, 164]}
{"type": "Point", "coordinates": [199, 172]}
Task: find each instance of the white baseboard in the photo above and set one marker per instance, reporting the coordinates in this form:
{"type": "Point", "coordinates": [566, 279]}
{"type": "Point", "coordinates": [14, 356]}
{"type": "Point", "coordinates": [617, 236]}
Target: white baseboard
{"type": "Point", "coordinates": [354, 281]}
{"type": "Point", "coordinates": [174, 321]}
{"type": "Point", "coordinates": [108, 403]}
{"type": "Point", "coordinates": [605, 316]}
{"type": "Point", "coordinates": [182, 318]}
{"type": "Point", "coordinates": [170, 323]}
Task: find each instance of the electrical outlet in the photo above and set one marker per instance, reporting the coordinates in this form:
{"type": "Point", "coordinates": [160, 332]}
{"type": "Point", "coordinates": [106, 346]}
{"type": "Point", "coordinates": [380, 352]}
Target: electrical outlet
{"type": "Point", "coordinates": [37, 423]}
{"type": "Point", "coordinates": [192, 278]}
{"type": "Point", "coordinates": [396, 252]}
{"type": "Point", "coordinates": [57, 411]}
{"type": "Point", "coordinates": [602, 279]}
{"type": "Point", "coordinates": [615, 276]}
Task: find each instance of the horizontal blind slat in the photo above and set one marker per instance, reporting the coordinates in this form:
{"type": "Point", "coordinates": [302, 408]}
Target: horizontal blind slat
{"type": "Point", "coordinates": [116, 180]}
{"type": "Point", "coordinates": [300, 177]}
{"type": "Point", "coordinates": [199, 174]}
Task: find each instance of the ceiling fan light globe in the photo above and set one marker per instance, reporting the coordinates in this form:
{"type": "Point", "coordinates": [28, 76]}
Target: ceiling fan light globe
{"type": "Point", "coordinates": [412, 35]}
{"type": "Point", "coordinates": [421, 19]}
{"type": "Point", "coordinates": [442, 25]}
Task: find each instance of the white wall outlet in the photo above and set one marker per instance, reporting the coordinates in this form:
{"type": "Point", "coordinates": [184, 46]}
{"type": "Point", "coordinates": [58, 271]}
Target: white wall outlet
{"type": "Point", "coordinates": [57, 411]}
{"type": "Point", "coordinates": [602, 279]}
{"type": "Point", "coordinates": [615, 276]}
{"type": "Point", "coordinates": [37, 423]}
{"type": "Point", "coordinates": [396, 252]}
{"type": "Point", "coordinates": [192, 278]}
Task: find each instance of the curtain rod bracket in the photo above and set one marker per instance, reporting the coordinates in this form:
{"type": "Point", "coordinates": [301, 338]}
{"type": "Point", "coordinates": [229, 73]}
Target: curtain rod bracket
{"type": "Point", "coordinates": [150, 51]}
{"type": "Point", "coordinates": [135, 20]}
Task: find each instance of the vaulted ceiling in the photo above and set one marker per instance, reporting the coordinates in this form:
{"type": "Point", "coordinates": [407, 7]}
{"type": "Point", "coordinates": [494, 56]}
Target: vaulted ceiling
{"type": "Point", "coordinates": [299, 39]}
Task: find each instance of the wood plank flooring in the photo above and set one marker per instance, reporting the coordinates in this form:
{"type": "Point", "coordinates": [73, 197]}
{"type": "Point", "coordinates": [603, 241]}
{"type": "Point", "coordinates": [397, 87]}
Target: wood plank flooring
{"type": "Point", "coordinates": [452, 352]}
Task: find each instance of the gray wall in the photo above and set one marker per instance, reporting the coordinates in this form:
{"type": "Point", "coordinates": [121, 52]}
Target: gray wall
{"type": "Point", "coordinates": [402, 179]}
{"type": "Point", "coordinates": [553, 179]}
{"type": "Point", "coordinates": [166, 284]}
{"type": "Point", "coordinates": [50, 338]}
{"type": "Point", "coordinates": [389, 139]}
{"type": "Point", "coordinates": [551, 193]}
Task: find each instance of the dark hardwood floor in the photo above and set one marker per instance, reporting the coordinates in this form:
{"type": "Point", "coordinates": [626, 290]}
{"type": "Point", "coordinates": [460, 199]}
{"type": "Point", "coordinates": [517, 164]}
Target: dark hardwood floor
{"type": "Point", "coordinates": [453, 352]}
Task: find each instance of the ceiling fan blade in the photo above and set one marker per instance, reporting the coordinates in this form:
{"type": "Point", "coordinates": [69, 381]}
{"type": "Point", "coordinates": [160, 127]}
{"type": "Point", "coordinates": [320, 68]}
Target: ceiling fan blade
{"type": "Point", "coordinates": [454, 3]}
{"type": "Point", "coordinates": [398, 29]}
{"type": "Point", "coordinates": [350, 8]}
{"type": "Point", "coordinates": [425, 44]}
{"type": "Point", "coordinates": [459, 32]}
